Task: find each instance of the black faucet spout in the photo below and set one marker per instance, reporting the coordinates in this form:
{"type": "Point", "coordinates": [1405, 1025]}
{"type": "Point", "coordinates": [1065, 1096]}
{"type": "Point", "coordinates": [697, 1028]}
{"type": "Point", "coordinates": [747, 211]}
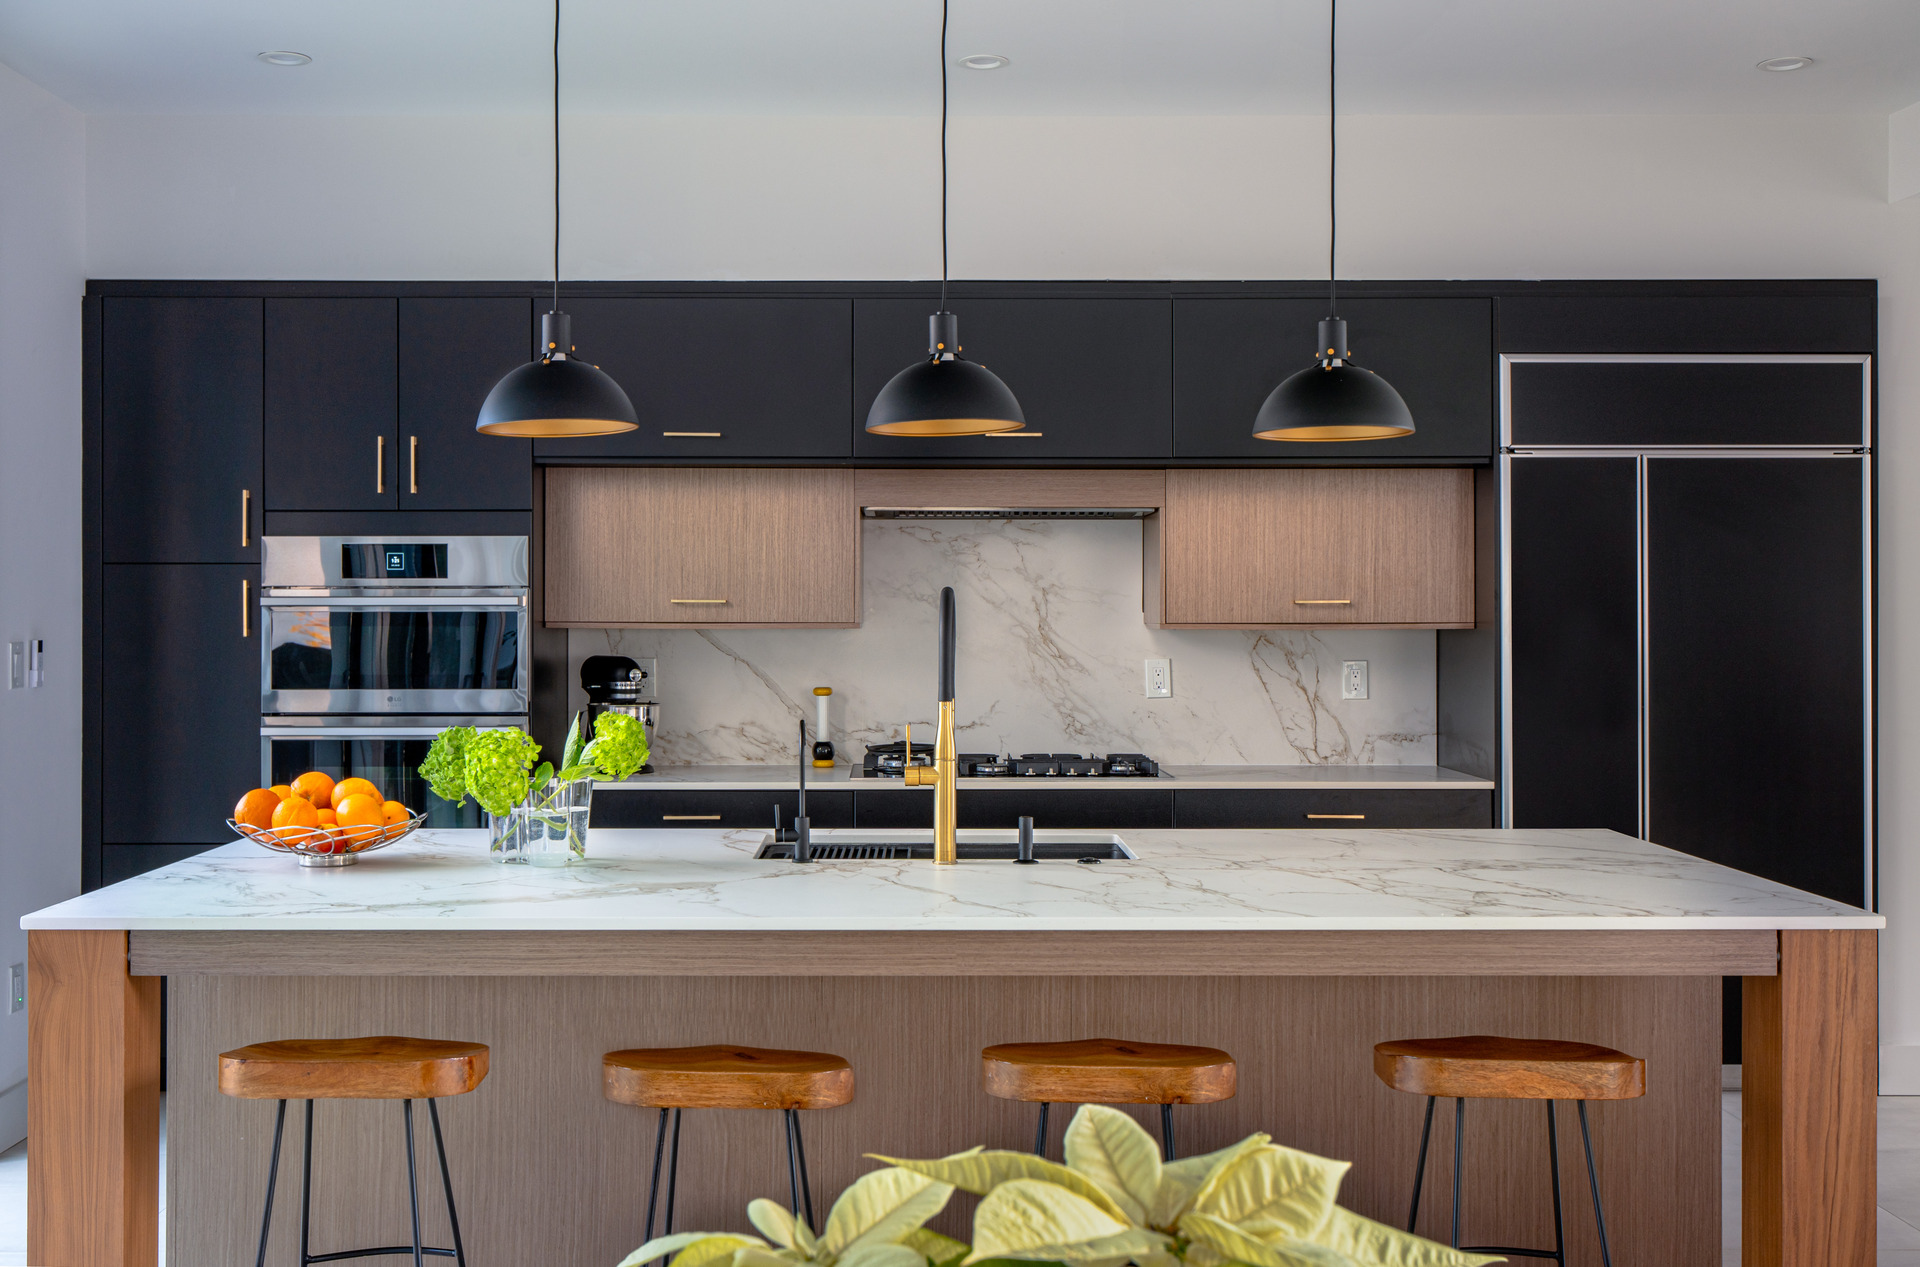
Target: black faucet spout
{"type": "Point", "coordinates": [949, 643]}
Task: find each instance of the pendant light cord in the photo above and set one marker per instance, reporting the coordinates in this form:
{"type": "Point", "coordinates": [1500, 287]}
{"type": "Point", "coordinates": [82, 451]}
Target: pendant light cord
{"type": "Point", "coordinates": [556, 157]}
{"type": "Point", "coordinates": [1333, 153]}
{"type": "Point", "coordinates": [943, 155]}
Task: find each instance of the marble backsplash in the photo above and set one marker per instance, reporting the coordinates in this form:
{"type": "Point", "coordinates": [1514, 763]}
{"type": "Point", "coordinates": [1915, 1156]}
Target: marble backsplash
{"type": "Point", "coordinates": [1051, 645]}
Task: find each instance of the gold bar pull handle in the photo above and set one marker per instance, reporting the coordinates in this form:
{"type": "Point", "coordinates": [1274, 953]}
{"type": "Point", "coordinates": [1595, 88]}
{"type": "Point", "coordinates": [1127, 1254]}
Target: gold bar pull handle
{"type": "Point", "coordinates": [246, 608]}
{"type": "Point", "coordinates": [689, 818]}
{"type": "Point", "coordinates": [246, 517]}
{"type": "Point", "coordinates": [379, 464]}
{"type": "Point", "coordinates": [1323, 602]}
{"type": "Point", "coordinates": [703, 435]}
{"type": "Point", "coordinates": [1353, 817]}
{"type": "Point", "coordinates": [696, 601]}
{"type": "Point", "coordinates": [413, 464]}
{"type": "Point", "coordinates": [1014, 435]}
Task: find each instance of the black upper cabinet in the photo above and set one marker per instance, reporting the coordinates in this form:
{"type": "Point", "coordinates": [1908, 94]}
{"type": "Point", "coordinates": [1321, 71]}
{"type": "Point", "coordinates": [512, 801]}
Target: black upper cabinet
{"type": "Point", "coordinates": [180, 693]}
{"type": "Point", "coordinates": [180, 420]}
{"type": "Point", "coordinates": [1230, 353]}
{"type": "Point", "coordinates": [1747, 402]}
{"type": "Point", "coordinates": [331, 378]}
{"type": "Point", "coordinates": [1094, 376]}
{"type": "Point", "coordinates": [1767, 320]}
{"type": "Point", "coordinates": [452, 352]}
{"type": "Point", "coordinates": [720, 377]}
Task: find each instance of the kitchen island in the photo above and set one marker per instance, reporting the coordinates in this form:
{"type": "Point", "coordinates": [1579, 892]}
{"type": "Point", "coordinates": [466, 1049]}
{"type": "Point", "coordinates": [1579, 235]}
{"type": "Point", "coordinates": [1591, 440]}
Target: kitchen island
{"type": "Point", "coordinates": [1294, 950]}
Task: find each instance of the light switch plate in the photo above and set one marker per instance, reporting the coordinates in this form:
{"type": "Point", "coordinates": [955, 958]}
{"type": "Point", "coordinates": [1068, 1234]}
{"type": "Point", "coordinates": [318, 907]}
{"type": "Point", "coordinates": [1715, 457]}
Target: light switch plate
{"type": "Point", "coordinates": [1353, 679]}
{"type": "Point", "coordinates": [17, 987]}
{"type": "Point", "coordinates": [1159, 679]}
{"type": "Point", "coordinates": [16, 666]}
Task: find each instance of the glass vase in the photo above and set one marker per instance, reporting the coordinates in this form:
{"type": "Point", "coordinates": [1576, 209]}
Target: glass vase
{"type": "Point", "coordinates": [506, 836]}
{"type": "Point", "coordinates": [555, 823]}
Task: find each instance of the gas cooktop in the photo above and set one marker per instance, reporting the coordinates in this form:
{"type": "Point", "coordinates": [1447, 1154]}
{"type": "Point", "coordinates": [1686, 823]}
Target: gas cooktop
{"type": "Point", "coordinates": [888, 760]}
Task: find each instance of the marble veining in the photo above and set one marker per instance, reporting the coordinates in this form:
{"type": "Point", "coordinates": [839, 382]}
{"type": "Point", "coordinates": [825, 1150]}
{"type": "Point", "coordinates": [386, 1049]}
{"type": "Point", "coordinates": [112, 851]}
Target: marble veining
{"type": "Point", "coordinates": [1296, 879]}
{"type": "Point", "coordinates": [1051, 644]}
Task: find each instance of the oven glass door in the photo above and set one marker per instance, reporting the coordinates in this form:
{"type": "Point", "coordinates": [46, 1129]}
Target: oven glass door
{"type": "Point", "coordinates": [394, 656]}
{"type": "Point", "coordinates": [390, 760]}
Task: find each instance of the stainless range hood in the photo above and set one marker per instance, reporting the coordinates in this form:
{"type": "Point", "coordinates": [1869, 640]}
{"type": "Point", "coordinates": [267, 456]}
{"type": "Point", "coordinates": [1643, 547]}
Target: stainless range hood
{"type": "Point", "coordinates": [1007, 512]}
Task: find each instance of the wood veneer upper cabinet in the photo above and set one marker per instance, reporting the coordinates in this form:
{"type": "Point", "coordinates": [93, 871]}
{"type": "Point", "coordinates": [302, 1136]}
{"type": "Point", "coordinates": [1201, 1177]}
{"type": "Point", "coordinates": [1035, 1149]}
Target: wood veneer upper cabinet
{"type": "Point", "coordinates": [700, 547]}
{"type": "Point", "coordinates": [1309, 548]}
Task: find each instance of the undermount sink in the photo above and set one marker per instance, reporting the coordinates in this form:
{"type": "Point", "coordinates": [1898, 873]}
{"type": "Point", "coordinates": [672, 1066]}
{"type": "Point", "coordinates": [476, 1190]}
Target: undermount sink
{"type": "Point", "coordinates": [981, 846]}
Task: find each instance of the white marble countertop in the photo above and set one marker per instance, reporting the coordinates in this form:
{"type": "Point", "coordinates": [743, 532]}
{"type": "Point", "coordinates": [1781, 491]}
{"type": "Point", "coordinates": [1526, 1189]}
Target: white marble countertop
{"type": "Point", "coordinates": [724, 778]}
{"type": "Point", "coordinates": [1291, 879]}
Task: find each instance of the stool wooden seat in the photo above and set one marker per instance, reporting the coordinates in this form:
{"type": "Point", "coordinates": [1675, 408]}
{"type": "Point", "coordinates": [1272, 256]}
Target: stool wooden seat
{"type": "Point", "coordinates": [1485, 1067]}
{"type": "Point", "coordinates": [1480, 1067]}
{"type": "Point", "coordinates": [1108, 1071]}
{"type": "Point", "coordinates": [385, 1068]}
{"type": "Point", "coordinates": [382, 1068]}
{"type": "Point", "coordinates": [674, 1079]}
{"type": "Point", "coordinates": [716, 1077]}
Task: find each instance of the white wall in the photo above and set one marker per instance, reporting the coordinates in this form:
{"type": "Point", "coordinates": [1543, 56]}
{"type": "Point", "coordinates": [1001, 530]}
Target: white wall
{"type": "Point", "coordinates": [42, 271]}
{"type": "Point", "coordinates": [1427, 197]}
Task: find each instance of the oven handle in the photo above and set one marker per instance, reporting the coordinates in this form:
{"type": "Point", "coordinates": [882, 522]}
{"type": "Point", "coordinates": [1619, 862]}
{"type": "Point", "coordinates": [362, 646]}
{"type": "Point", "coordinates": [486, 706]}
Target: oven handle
{"type": "Point", "coordinates": [361, 732]}
{"type": "Point", "coordinates": [398, 604]}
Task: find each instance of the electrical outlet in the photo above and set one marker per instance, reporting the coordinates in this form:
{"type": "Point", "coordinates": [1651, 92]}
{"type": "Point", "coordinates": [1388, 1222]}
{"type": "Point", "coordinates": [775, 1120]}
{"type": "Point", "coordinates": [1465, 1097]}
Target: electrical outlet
{"type": "Point", "coordinates": [16, 666]}
{"type": "Point", "coordinates": [1159, 679]}
{"type": "Point", "coordinates": [1353, 679]}
{"type": "Point", "coordinates": [17, 987]}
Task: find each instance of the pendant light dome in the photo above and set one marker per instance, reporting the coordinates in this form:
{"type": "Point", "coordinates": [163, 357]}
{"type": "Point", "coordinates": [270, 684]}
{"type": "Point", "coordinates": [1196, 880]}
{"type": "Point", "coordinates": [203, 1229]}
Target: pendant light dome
{"type": "Point", "coordinates": [556, 395]}
{"type": "Point", "coordinates": [1333, 399]}
{"type": "Point", "coordinates": [944, 395]}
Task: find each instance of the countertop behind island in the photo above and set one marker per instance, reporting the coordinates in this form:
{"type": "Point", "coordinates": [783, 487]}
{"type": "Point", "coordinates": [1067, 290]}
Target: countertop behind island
{"type": "Point", "coordinates": [748, 778]}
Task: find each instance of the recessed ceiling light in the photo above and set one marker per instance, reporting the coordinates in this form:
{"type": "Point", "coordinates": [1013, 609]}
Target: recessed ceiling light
{"type": "Point", "coordinates": [984, 61]}
{"type": "Point", "coordinates": [1786, 63]}
{"type": "Point", "coordinates": [284, 57]}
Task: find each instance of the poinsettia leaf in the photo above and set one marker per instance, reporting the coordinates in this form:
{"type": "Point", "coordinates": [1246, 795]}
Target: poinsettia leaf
{"type": "Point", "coordinates": [1374, 1244]}
{"type": "Point", "coordinates": [1283, 1186]}
{"type": "Point", "coordinates": [880, 1208]}
{"type": "Point", "coordinates": [723, 1243]}
{"type": "Point", "coordinates": [1111, 1149]}
{"type": "Point", "coordinates": [938, 1250]}
{"type": "Point", "coordinates": [980, 1172]}
{"type": "Point", "coordinates": [1023, 1217]}
{"type": "Point", "coordinates": [774, 1220]}
{"type": "Point", "coordinates": [1180, 1180]}
{"type": "Point", "coordinates": [1235, 1246]}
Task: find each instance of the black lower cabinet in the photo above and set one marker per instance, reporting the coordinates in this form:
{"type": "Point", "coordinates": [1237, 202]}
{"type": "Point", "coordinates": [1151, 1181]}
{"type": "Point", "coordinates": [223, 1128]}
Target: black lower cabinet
{"type": "Point", "coordinates": [687, 807]}
{"type": "Point", "coordinates": [1333, 807]}
{"type": "Point", "coordinates": [180, 701]}
{"type": "Point", "coordinates": [1077, 809]}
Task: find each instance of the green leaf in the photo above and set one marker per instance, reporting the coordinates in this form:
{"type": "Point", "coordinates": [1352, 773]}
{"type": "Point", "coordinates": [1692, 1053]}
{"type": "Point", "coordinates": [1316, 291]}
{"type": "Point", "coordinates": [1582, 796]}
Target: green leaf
{"type": "Point", "coordinates": [981, 1172]}
{"type": "Point", "coordinates": [1377, 1245]}
{"type": "Point", "coordinates": [1291, 1190]}
{"type": "Point", "coordinates": [880, 1208]}
{"type": "Point", "coordinates": [682, 1241]}
{"type": "Point", "coordinates": [571, 750]}
{"type": "Point", "coordinates": [544, 775]}
{"type": "Point", "coordinates": [938, 1250]}
{"type": "Point", "coordinates": [1031, 1218]}
{"type": "Point", "coordinates": [774, 1220]}
{"type": "Point", "coordinates": [1180, 1180]}
{"type": "Point", "coordinates": [1111, 1149]}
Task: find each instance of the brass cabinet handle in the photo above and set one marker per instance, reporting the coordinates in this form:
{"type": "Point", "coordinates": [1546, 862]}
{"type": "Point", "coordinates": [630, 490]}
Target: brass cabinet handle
{"type": "Point", "coordinates": [246, 608]}
{"type": "Point", "coordinates": [696, 600]}
{"type": "Point", "coordinates": [1014, 435]}
{"type": "Point", "coordinates": [413, 464]}
{"type": "Point", "coordinates": [246, 516]}
{"type": "Point", "coordinates": [1323, 602]}
{"type": "Point", "coordinates": [710, 435]}
{"type": "Point", "coordinates": [689, 818]}
{"type": "Point", "coordinates": [379, 464]}
{"type": "Point", "coordinates": [1354, 816]}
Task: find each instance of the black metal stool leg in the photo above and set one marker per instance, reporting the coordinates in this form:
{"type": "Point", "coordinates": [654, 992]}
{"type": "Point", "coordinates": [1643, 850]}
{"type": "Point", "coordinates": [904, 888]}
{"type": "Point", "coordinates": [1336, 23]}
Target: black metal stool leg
{"type": "Point", "coordinates": [1040, 1136]}
{"type": "Point", "coordinates": [653, 1187]}
{"type": "Point", "coordinates": [446, 1183]}
{"type": "Point", "coordinates": [1593, 1181]}
{"type": "Point", "coordinates": [673, 1171]}
{"type": "Point", "coordinates": [1553, 1151]}
{"type": "Point", "coordinates": [306, 1188]}
{"type": "Point", "coordinates": [273, 1175]}
{"type": "Point", "coordinates": [1459, 1122]}
{"type": "Point", "coordinates": [800, 1148]}
{"type": "Point", "coordinates": [793, 1165]}
{"type": "Point", "coordinates": [1420, 1167]}
{"type": "Point", "coordinates": [1166, 1132]}
{"type": "Point", "coordinates": [413, 1180]}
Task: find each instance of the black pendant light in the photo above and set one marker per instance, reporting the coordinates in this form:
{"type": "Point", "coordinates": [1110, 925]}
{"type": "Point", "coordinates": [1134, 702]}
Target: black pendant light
{"type": "Point", "coordinates": [1333, 399]}
{"type": "Point", "coordinates": [556, 395]}
{"type": "Point", "coordinates": [944, 395]}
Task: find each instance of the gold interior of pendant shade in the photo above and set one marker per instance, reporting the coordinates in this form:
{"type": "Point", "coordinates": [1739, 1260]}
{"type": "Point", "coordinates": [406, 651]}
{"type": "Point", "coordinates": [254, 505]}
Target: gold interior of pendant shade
{"type": "Point", "coordinates": [946, 427]}
{"type": "Point", "coordinates": [549, 428]}
{"type": "Point", "coordinates": [1333, 433]}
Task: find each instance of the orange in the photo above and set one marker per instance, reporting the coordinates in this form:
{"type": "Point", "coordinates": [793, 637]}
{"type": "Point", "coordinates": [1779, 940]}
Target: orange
{"type": "Point", "coordinates": [324, 840]}
{"type": "Point", "coordinates": [256, 808]}
{"type": "Point", "coordinates": [295, 818]}
{"type": "Point", "coordinates": [395, 812]}
{"type": "Point", "coordinates": [315, 786]}
{"type": "Point", "coordinates": [352, 787]}
{"type": "Point", "coordinates": [361, 817]}
{"type": "Point", "coordinates": [327, 817]}
{"type": "Point", "coordinates": [281, 790]}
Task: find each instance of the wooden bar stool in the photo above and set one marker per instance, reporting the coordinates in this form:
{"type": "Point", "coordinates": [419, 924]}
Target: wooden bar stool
{"type": "Point", "coordinates": [403, 1069]}
{"type": "Point", "coordinates": [1108, 1071]}
{"type": "Point", "coordinates": [1484, 1068]}
{"type": "Point", "coordinates": [715, 1077]}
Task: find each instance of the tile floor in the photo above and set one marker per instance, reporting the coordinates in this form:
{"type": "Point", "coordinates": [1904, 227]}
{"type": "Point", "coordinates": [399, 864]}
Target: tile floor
{"type": "Point", "coordinates": [1899, 1186]}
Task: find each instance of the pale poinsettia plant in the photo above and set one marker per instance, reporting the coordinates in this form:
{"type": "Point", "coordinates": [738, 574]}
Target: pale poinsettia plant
{"type": "Point", "coordinates": [877, 1222]}
{"type": "Point", "coordinates": [1115, 1202]}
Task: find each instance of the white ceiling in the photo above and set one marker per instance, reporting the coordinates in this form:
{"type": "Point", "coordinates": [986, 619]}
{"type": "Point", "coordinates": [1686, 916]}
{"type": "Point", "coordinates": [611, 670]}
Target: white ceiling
{"type": "Point", "coordinates": [1069, 57]}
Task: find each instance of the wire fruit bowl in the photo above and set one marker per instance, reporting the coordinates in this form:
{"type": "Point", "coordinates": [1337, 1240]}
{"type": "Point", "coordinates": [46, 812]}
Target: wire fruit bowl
{"type": "Point", "coordinates": [329, 846]}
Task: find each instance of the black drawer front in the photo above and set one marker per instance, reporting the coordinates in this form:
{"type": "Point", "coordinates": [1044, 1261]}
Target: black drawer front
{"type": "Point", "coordinates": [1334, 808]}
{"type": "Point", "coordinates": [1078, 809]}
{"type": "Point", "coordinates": [691, 808]}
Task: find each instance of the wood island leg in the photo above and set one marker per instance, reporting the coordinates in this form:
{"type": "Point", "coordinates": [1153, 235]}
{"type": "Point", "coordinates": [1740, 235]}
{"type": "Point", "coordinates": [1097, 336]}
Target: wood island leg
{"type": "Point", "coordinates": [1809, 1073]}
{"type": "Point", "coordinates": [93, 1103]}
